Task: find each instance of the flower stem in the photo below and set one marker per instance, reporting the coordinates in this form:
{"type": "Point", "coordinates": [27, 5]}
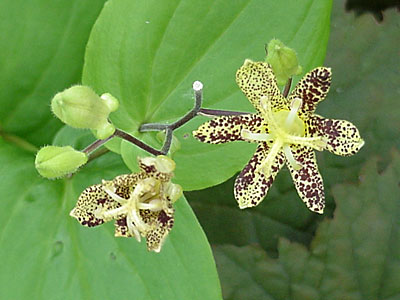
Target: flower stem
{"type": "Point", "coordinates": [217, 112]}
{"type": "Point", "coordinates": [137, 142]}
{"type": "Point", "coordinates": [287, 87]}
{"type": "Point", "coordinates": [198, 94]}
{"type": "Point", "coordinates": [96, 144]}
{"type": "Point", "coordinates": [196, 111]}
{"type": "Point", "coordinates": [168, 128]}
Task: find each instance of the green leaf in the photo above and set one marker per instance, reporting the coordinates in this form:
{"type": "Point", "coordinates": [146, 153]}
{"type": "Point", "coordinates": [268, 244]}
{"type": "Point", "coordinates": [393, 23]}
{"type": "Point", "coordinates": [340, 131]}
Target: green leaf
{"type": "Point", "coordinates": [354, 256]}
{"type": "Point", "coordinates": [45, 253]}
{"type": "Point", "coordinates": [41, 52]}
{"type": "Point", "coordinates": [148, 54]}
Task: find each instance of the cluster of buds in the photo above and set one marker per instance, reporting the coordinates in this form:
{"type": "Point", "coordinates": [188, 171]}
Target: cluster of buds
{"type": "Point", "coordinates": [79, 107]}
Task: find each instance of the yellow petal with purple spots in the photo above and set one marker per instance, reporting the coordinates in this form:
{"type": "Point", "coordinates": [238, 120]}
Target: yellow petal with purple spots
{"type": "Point", "coordinates": [307, 179]}
{"type": "Point", "coordinates": [251, 186]}
{"type": "Point", "coordinates": [312, 89]}
{"type": "Point", "coordinates": [342, 137]}
{"type": "Point", "coordinates": [228, 128]}
{"type": "Point", "coordinates": [257, 80]}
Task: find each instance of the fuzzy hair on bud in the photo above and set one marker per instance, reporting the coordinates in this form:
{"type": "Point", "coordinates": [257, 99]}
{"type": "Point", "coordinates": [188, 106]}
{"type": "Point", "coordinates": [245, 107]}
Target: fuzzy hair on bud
{"type": "Point", "coordinates": [80, 107]}
{"type": "Point", "coordinates": [55, 162]}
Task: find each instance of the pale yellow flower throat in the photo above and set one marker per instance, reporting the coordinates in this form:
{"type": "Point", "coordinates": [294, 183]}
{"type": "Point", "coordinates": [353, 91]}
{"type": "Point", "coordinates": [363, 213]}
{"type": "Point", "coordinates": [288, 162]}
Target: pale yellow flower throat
{"type": "Point", "coordinates": [145, 195]}
{"type": "Point", "coordinates": [285, 129]}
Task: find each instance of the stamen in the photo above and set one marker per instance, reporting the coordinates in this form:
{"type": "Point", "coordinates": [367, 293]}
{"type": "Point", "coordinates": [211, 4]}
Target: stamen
{"type": "Point", "coordinates": [269, 160]}
{"type": "Point", "coordinates": [248, 135]}
{"type": "Point", "coordinates": [137, 219]}
{"type": "Point", "coordinates": [114, 196]}
{"type": "Point", "coordinates": [317, 143]}
{"type": "Point", "coordinates": [145, 189]}
{"type": "Point", "coordinates": [154, 205]}
{"type": "Point", "coordinates": [132, 228]}
{"type": "Point", "coordinates": [295, 105]}
{"type": "Point", "coordinates": [269, 115]}
{"type": "Point", "coordinates": [289, 156]}
{"type": "Point", "coordinates": [113, 213]}
{"type": "Point", "coordinates": [264, 103]}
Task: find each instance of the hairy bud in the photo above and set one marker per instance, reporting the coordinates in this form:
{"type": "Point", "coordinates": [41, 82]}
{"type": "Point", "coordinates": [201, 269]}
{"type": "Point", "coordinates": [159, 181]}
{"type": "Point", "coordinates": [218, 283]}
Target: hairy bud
{"type": "Point", "coordinates": [283, 61]}
{"type": "Point", "coordinates": [80, 107]}
{"type": "Point", "coordinates": [54, 162]}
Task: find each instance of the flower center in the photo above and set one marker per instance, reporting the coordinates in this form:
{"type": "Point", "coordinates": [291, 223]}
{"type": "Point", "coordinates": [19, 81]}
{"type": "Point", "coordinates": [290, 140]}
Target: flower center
{"type": "Point", "coordinates": [145, 195]}
{"type": "Point", "coordinates": [285, 128]}
{"type": "Point", "coordinates": [288, 122]}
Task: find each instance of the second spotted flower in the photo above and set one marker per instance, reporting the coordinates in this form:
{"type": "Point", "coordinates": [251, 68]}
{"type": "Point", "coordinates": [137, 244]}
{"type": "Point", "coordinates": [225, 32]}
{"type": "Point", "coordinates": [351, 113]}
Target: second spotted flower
{"type": "Point", "coordinates": [287, 132]}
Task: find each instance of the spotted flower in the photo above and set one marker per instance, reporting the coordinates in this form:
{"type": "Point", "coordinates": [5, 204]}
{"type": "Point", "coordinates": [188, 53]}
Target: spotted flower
{"type": "Point", "coordinates": [287, 132]}
{"type": "Point", "coordinates": [140, 203]}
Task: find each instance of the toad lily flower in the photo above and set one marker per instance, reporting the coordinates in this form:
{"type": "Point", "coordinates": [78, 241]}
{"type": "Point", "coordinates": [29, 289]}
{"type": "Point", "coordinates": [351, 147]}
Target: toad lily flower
{"type": "Point", "coordinates": [286, 130]}
{"type": "Point", "coordinates": [140, 203]}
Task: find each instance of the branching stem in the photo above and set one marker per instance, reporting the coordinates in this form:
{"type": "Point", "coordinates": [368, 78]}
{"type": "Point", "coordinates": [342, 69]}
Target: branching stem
{"type": "Point", "coordinates": [169, 128]}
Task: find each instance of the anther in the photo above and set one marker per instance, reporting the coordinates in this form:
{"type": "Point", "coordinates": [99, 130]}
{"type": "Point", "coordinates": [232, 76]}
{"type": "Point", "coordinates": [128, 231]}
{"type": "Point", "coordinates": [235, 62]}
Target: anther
{"type": "Point", "coordinates": [264, 103]}
{"type": "Point", "coordinates": [290, 158]}
{"type": "Point", "coordinates": [251, 136]}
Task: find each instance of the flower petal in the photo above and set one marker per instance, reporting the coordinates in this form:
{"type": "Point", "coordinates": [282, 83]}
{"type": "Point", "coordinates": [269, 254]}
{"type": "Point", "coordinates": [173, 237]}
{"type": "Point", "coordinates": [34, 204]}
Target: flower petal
{"type": "Point", "coordinates": [342, 137]}
{"type": "Point", "coordinates": [93, 199]}
{"type": "Point", "coordinates": [162, 222]}
{"type": "Point", "coordinates": [251, 185]}
{"type": "Point", "coordinates": [121, 228]}
{"type": "Point", "coordinates": [125, 183]}
{"type": "Point", "coordinates": [151, 168]}
{"type": "Point", "coordinates": [312, 89]}
{"type": "Point", "coordinates": [257, 80]}
{"type": "Point", "coordinates": [228, 128]}
{"type": "Point", "coordinates": [307, 179]}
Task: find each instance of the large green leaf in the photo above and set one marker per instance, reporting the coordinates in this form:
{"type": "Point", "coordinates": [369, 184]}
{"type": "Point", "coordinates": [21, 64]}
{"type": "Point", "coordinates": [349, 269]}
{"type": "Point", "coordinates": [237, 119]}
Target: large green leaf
{"type": "Point", "coordinates": [355, 256]}
{"type": "Point", "coordinates": [46, 254]}
{"type": "Point", "coordinates": [148, 54]}
{"type": "Point", "coordinates": [42, 46]}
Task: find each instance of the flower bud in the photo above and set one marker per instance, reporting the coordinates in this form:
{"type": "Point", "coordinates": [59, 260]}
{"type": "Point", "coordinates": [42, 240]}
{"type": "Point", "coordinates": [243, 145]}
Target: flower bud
{"type": "Point", "coordinates": [80, 107]}
{"type": "Point", "coordinates": [283, 61]}
{"type": "Point", "coordinates": [53, 162]}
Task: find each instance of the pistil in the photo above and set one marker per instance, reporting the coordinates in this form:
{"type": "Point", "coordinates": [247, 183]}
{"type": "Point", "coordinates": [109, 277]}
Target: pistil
{"type": "Point", "coordinates": [295, 105]}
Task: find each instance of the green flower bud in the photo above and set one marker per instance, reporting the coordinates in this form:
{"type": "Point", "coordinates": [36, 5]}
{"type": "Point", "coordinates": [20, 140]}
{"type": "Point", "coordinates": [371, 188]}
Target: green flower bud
{"type": "Point", "coordinates": [111, 102]}
{"type": "Point", "coordinates": [283, 61]}
{"type": "Point", "coordinates": [80, 107]}
{"type": "Point", "coordinates": [104, 132]}
{"type": "Point", "coordinates": [53, 162]}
